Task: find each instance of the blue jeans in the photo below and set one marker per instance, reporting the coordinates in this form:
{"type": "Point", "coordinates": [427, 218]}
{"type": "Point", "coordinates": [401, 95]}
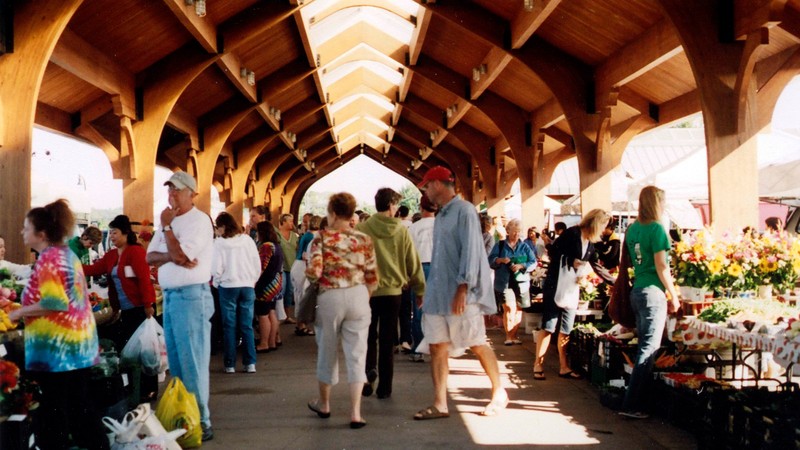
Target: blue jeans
{"type": "Point", "coordinates": [288, 290]}
{"type": "Point", "coordinates": [416, 318]}
{"type": "Point", "coordinates": [650, 306]}
{"type": "Point", "coordinates": [187, 332]}
{"type": "Point", "coordinates": [236, 305]}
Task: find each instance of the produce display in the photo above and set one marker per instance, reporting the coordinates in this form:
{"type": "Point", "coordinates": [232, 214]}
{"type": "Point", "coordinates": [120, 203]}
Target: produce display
{"type": "Point", "coordinates": [748, 310]}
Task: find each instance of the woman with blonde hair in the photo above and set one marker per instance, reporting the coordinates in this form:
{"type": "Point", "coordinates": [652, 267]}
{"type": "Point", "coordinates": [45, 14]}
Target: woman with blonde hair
{"type": "Point", "coordinates": [576, 247]}
{"type": "Point", "coordinates": [342, 262]}
{"type": "Point", "coordinates": [648, 244]}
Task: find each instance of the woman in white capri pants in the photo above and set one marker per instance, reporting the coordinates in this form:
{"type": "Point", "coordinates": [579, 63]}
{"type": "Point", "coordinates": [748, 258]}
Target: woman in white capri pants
{"type": "Point", "coordinates": [342, 261]}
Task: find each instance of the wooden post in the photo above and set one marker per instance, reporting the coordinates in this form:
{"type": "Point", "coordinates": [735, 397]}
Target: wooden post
{"type": "Point", "coordinates": [37, 27]}
{"type": "Point", "coordinates": [723, 69]}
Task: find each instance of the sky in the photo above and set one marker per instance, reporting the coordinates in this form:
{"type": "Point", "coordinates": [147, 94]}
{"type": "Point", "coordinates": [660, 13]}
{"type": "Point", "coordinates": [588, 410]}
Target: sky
{"type": "Point", "coordinates": [80, 172]}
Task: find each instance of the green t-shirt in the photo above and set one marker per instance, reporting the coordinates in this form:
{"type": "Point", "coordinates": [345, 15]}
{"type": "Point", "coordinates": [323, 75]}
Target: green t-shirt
{"type": "Point", "coordinates": [644, 241]}
{"type": "Point", "coordinates": [289, 248]}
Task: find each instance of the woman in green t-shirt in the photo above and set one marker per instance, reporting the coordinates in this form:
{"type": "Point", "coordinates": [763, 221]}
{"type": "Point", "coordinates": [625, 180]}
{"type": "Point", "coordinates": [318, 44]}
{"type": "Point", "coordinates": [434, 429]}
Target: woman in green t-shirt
{"type": "Point", "coordinates": [648, 245]}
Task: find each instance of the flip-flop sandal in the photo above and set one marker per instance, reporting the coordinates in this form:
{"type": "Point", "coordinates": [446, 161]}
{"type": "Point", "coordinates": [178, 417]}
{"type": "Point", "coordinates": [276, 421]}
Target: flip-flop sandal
{"type": "Point", "coordinates": [571, 375]}
{"type": "Point", "coordinates": [539, 376]}
{"type": "Point", "coordinates": [314, 406]}
{"type": "Point", "coordinates": [430, 413]}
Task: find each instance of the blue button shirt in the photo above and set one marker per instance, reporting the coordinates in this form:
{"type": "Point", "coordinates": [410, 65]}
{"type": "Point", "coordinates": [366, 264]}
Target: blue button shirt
{"type": "Point", "coordinates": [458, 257]}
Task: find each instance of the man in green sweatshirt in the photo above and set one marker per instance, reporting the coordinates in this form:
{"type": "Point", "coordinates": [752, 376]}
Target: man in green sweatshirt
{"type": "Point", "coordinates": [398, 266]}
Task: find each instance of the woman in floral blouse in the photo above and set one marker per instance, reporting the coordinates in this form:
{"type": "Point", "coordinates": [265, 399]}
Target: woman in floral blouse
{"type": "Point", "coordinates": [342, 261]}
{"type": "Point", "coordinates": [61, 342]}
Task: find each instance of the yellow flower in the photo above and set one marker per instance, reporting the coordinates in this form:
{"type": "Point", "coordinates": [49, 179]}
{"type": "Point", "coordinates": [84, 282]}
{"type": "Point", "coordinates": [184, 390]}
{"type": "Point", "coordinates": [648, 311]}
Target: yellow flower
{"type": "Point", "coordinates": [681, 247]}
{"type": "Point", "coordinates": [796, 266]}
{"type": "Point", "coordinates": [714, 266]}
{"type": "Point", "coordinates": [735, 270]}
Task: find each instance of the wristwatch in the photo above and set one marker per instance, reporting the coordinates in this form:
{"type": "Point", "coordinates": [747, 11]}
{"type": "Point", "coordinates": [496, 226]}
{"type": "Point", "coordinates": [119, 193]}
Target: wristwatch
{"type": "Point", "coordinates": [166, 228]}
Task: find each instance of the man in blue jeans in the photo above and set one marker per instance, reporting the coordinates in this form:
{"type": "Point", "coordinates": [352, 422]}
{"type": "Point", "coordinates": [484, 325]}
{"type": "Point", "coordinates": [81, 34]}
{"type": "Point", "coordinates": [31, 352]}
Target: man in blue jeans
{"type": "Point", "coordinates": [422, 235]}
{"type": "Point", "coordinates": [182, 250]}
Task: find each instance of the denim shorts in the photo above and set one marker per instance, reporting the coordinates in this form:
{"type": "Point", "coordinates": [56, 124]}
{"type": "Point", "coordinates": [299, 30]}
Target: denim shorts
{"type": "Point", "coordinates": [552, 313]}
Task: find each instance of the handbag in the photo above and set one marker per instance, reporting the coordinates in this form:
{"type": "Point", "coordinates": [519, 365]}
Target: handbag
{"type": "Point", "coordinates": [308, 305]}
{"type": "Point", "coordinates": [619, 305]}
{"type": "Point", "coordinates": [567, 289]}
{"type": "Point", "coordinates": [307, 312]}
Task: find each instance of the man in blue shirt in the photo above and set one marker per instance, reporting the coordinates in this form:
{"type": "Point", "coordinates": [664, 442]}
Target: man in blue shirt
{"type": "Point", "coordinates": [458, 294]}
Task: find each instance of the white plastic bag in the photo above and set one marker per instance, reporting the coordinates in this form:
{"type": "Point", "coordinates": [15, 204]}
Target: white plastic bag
{"type": "Point", "coordinates": [164, 442]}
{"type": "Point", "coordinates": [148, 347]}
{"type": "Point", "coordinates": [567, 289]}
{"type": "Point", "coordinates": [141, 429]}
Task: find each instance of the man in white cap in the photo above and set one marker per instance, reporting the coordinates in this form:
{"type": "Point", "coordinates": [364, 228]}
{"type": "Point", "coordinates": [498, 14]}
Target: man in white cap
{"type": "Point", "coordinates": [459, 292]}
{"type": "Point", "coordinates": [182, 250]}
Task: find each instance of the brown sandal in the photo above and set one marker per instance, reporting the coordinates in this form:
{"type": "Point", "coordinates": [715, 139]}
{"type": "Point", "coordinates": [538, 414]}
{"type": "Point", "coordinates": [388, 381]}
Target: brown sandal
{"type": "Point", "coordinates": [539, 376]}
{"type": "Point", "coordinates": [431, 412]}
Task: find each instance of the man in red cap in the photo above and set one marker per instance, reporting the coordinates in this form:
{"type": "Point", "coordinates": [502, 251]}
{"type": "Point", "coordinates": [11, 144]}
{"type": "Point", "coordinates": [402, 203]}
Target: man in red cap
{"type": "Point", "coordinates": [459, 293]}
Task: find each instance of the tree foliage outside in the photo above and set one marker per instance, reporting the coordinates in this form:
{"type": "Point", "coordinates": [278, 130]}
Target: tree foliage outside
{"type": "Point", "coordinates": [317, 202]}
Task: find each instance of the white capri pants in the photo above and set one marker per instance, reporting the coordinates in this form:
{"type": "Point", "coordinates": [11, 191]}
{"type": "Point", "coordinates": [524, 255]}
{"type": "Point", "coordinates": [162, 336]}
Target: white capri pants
{"type": "Point", "coordinates": [346, 313]}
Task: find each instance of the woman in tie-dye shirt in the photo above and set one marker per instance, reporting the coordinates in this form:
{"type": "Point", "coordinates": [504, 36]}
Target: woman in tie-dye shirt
{"type": "Point", "coordinates": [60, 334]}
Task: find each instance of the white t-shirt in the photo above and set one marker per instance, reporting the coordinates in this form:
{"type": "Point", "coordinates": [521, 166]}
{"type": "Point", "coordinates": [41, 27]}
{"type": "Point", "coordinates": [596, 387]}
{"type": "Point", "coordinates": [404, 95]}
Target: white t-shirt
{"type": "Point", "coordinates": [422, 235]}
{"type": "Point", "coordinates": [195, 234]}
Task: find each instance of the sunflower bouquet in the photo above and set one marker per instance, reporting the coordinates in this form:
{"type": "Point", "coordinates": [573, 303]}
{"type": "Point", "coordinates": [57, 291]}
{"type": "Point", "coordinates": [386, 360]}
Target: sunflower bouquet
{"type": "Point", "coordinates": [734, 263]}
{"type": "Point", "coordinates": [690, 258]}
{"type": "Point", "coordinates": [778, 261]}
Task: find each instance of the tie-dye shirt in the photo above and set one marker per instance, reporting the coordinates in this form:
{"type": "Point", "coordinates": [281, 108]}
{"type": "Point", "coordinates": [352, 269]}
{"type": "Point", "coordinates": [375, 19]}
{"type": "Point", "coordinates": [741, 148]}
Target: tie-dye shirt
{"type": "Point", "coordinates": [66, 338]}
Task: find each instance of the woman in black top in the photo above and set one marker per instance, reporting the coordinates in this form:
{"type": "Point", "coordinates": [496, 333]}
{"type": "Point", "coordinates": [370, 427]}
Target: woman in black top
{"type": "Point", "coordinates": [575, 245]}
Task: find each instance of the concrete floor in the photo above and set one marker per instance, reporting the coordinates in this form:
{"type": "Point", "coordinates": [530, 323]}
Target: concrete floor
{"type": "Point", "coordinates": [268, 410]}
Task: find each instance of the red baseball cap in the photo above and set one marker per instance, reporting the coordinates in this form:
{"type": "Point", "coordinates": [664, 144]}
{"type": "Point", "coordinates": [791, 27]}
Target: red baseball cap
{"type": "Point", "coordinates": [439, 173]}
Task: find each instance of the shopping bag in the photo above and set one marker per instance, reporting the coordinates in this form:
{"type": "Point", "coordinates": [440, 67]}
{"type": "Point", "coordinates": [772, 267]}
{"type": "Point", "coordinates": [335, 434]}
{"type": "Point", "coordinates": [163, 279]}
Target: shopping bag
{"type": "Point", "coordinates": [178, 409]}
{"type": "Point", "coordinates": [307, 312]}
{"type": "Point", "coordinates": [147, 347]}
{"type": "Point", "coordinates": [165, 441]}
{"type": "Point", "coordinates": [619, 305]}
{"type": "Point", "coordinates": [567, 289]}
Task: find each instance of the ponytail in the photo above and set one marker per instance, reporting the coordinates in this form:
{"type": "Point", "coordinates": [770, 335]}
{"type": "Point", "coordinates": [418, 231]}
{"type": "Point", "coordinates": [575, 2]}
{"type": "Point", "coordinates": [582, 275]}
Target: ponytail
{"type": "Point", "coordinates": [55, 220]}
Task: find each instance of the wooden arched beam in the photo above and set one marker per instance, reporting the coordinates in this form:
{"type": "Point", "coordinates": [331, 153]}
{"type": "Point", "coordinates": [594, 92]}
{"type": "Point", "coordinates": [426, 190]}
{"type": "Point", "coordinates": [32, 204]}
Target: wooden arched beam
{"type": "Point", "coordinates": [217, 127]}
{"type": "Point", "coordinates": [37, 27]}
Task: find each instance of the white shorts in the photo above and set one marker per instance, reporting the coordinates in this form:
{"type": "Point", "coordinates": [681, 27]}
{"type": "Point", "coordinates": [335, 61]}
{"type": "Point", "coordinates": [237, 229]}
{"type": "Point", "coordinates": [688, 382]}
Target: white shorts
{"type": "Point", "coordinates": [461, 331]}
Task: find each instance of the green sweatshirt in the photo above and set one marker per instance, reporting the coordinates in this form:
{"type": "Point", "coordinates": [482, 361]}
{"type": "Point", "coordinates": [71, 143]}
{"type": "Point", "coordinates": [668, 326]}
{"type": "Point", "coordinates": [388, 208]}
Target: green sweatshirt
{"type": "Point", "coordinates": [397, 258]}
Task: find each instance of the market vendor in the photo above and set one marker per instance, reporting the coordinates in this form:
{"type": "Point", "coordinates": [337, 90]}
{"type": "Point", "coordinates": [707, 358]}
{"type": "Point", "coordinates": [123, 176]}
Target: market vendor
{"type": "Point", "coordinates": [21, 271]}
{"type": "Point", "coordinates": [129, 289]}
{"type": "Point", "coordinates": [82, 244]}
{"type": "Point", "coordinates": [61, 342]}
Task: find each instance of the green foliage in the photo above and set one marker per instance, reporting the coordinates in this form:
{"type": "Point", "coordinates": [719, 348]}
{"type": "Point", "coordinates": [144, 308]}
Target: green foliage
{"type": "Point", "coordinates": [411, 197]}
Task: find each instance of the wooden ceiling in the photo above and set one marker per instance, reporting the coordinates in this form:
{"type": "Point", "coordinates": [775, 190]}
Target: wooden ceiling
{"type": "Point", "coordinates": [429, 93]}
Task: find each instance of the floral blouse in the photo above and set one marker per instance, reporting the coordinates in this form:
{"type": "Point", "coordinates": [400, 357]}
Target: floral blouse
{"type": "Point", "coordinates": [348, 260]}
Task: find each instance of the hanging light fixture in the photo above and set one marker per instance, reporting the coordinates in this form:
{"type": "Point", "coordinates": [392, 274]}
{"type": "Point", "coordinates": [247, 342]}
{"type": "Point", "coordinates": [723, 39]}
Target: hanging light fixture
{"type": "Point", "coordinates": [251, 78]}
{"type": "Point", "coordinates": [200, 8]}
{"type": "Point", "coordinates": [528, 4]}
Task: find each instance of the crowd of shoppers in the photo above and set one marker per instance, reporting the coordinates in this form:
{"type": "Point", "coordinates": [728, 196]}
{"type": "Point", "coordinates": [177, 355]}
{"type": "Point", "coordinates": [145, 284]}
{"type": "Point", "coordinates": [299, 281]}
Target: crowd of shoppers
{"type": "Point", "coordinates": [432, 278]}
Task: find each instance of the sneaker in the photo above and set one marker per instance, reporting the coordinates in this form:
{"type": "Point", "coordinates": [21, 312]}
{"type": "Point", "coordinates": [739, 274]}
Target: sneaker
{"type": "Point", "coordinates": [250, 368]}
{"type": "Point", "coordinates": [634, 414]}
{"type": "Point", "coordinates": [230, 370]}
{"type": "Point", "coordinates": [208, 433]}
{"type": "Point", "coordinates": [416, 357]}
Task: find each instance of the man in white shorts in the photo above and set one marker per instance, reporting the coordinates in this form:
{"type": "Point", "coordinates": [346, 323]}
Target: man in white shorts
{"type": "Point", "coordinates": [459, 293]}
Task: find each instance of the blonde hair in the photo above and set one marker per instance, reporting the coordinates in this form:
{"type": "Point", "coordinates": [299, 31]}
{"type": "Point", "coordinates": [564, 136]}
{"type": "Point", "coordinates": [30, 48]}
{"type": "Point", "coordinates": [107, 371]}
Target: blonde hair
{"type": "Point", "coordinates": [651, 204]}
{"type": "Point", "coordinates": [594, 223]}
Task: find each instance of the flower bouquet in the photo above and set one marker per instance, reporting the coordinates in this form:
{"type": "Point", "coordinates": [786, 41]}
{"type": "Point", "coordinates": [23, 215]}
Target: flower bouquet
{"type": "Point", "coordinates": [588, 289]}
{"type": "Point", "coordinates": [691, 259]}
{"type": "Point", "coordinates": [16, 396]}
{"type": "Point", "coordinates": [778, 261]}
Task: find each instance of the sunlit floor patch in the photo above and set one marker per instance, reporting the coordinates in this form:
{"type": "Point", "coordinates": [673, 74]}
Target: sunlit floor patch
{"type": "Point", "coordinates": [522, 423]}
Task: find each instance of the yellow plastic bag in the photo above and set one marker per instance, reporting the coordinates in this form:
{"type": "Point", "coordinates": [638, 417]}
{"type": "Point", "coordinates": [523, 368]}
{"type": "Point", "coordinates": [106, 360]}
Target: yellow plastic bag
{"type": "Point", "coordinates": [178, 409]}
